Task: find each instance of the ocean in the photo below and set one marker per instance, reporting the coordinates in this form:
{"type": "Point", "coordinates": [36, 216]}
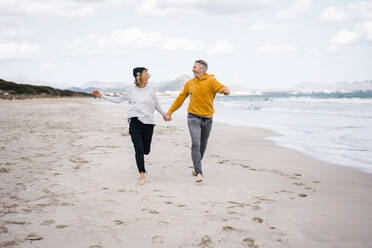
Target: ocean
{"type": "Point", "coordinates": [336, 128]}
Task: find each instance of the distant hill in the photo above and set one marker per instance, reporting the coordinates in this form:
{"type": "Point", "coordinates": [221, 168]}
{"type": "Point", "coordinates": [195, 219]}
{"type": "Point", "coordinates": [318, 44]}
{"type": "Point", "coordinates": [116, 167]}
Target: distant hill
{"type": "Point", "coordinates": [334, 87]}
{"type": "Point", "coordinates": [10, 90]}
{"type": "Point", "coordinates": [101, 86]}
{"type": "Point", "coordinates": [170, 85]}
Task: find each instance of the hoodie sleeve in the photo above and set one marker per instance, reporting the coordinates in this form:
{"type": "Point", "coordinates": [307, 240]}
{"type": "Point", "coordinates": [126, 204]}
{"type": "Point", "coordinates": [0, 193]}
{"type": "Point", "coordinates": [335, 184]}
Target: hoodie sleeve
{"type": "Point", "coordinates": [180, 99]}
{"type": "Point", "coordinates": [217, 86]}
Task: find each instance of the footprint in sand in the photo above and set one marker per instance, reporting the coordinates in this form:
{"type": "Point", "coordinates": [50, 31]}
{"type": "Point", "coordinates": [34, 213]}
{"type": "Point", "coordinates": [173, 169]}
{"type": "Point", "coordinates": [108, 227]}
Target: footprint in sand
{"type": "Point", "coordinates": [298, 184]}
{"type": "Point", "coordinates": [78, 160]}
{"type": "Point", "coordinates": [17, 222]}
{"type": "Point", "coordinates": [3, 229]}
{"type": "Point", "coordinates": [151, 211]}
{"type": "Point", "coordinates": [33, 236]}
{"type": "Point", "coordinates": [238, 204]}
{"type": "Point", "coordinates": [223, 161]}
{"type": "Point", "coordinates": [61, 226]}
{"type": "Point", "coordinates": [9, 244]}
{"type": "Point", "coordinates": [48, 222]}
{"type": "Point", "coordinates": [315, 181]}
{"type": "Point", "coordinates": [164, 196]}
{"type": "Point", "coordinates": [256, 207]}
{"type": "Point", "coordinates": [232, 212]}
{"type": "Point", "coordinates": [158, 239]}
{"type": "Point", "coordinates": [257, 220]}
{"type": "Point", "coordinates": [228, 228]}
{"type": "Point", "coordinates": [302, 195]}
{"type": "Point", "coordinates": [181, 205]}
{"type": "Point", "coordinates": [119, 222]}
{"type": "Point", "coordinates": [206, 242]}
{"type": "Point", "coordinates": [284, 191]}
{"type": "Point", "coordinates": [250, 242]}
{"type": "Point", "coordinates": [95, 246]}
{"type": "Point", "coordinates": [4, 170]}
{"type": "Point", "coordinates": [122, 190]}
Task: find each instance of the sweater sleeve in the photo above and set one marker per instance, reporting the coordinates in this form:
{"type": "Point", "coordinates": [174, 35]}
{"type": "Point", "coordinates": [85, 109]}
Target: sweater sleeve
{"type": "Point", "coordinates": [116, 99]}
{"type": "Point", "coordinates": [180, 99]}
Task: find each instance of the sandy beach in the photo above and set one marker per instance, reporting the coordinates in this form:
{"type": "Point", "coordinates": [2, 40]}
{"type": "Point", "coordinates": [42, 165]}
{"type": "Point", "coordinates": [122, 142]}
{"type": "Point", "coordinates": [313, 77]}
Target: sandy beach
{"type": "Point", "coordinates": [68, 179]}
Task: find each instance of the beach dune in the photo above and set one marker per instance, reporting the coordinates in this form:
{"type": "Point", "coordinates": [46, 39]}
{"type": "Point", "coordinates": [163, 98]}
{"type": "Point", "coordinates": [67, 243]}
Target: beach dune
{"type": "Point", "coordinates": [68, 179]}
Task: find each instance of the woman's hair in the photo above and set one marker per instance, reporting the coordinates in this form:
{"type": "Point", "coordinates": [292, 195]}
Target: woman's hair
{"type": "Point", "coordinates": [139, 77]}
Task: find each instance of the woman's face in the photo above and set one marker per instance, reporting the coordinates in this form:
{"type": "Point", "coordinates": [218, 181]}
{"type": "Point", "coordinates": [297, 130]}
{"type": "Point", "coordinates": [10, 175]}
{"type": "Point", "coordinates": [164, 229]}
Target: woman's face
{"type": "Point", "coordinates": [145, 77]}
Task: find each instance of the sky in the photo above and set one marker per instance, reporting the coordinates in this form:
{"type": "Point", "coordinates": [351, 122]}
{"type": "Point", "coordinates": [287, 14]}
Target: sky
{"type": "Point", "coordinates": [256, 44]}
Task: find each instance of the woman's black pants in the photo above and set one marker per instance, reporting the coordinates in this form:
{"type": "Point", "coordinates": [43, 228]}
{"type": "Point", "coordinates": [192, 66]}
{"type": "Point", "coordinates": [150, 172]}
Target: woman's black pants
{"type": "Point", "coordinates": [141, 135]}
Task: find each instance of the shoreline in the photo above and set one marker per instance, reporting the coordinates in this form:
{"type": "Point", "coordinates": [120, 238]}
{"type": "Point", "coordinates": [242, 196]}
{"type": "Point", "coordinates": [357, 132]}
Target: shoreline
{"type": "Point", "coordinates": [299, 148]}
{"type": "Point", "coordinates": [68, 177]}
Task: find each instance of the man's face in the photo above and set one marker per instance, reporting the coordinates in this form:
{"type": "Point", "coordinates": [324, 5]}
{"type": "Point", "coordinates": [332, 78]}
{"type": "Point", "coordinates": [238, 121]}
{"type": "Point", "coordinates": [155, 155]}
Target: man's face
{"type": "Point", "coordinates": [198, 70]}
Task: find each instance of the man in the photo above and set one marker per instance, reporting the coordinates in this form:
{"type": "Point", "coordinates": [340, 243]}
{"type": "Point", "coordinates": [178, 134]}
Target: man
{"type": "Point", "coordinates": [202, 90]}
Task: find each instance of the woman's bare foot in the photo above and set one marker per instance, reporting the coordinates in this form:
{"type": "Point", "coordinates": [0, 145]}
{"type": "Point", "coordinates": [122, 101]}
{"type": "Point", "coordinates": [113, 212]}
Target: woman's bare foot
{"type": "Point", "coordinates": [142, 180]}
{"type": "Point", "coordinates": [199, 178]}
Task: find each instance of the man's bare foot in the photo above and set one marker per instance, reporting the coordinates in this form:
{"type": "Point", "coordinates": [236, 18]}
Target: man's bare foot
{"type": "Point", "coordinates": [199, 178]}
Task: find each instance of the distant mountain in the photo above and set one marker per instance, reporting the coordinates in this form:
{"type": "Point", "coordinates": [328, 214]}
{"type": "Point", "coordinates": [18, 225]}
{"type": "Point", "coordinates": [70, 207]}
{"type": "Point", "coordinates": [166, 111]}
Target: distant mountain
{"type": "Point", "coordinates": [172, 85]}
{"type": "Point", "coordinates": [101, 86]}
{"type": "Point", "coordinates": [333, 87]}
{"type": "Point", "coordinates": [10, 90]}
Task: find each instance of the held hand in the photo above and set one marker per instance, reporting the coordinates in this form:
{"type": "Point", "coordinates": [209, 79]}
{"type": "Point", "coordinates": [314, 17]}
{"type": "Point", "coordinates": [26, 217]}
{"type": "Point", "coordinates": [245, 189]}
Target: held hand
{"type": "Point", "coordinates": [226, 91]}
{"type": "Point", "coordinates": [96, 93]}
{"type": "Point", "coordinates": [167, 117]}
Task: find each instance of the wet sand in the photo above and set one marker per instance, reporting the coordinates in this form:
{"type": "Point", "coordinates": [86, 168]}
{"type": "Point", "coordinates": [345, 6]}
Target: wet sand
{"type": "Point", "coordinates": [68, 179]}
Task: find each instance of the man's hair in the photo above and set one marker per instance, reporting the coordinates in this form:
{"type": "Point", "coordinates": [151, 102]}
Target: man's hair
{"type": "Point", "coordinates": [203, 63]}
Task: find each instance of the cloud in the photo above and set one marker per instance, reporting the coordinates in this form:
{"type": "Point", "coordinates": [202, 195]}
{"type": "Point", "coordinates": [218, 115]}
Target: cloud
{"type": "Point", "coordinates": [58, 8]}
{"type": "Point", "coordinates": [312, 52]}
{"type": "Point", "coordinates": [133, 39]}
{"type": "Point", "coordinates": [361, 34]}
{"type": "Point", "coordinates": [14, 33]}
{"type": "Point", "coordinates": [261, 26]}
{"type": "Point", "coordinates": [17, 50]}
{"type": "Point", "coordinates": [352, 11]}
{"type": "Point", "coordinates": [221, 47]}
{"type": "Point", "coordinates": [190, 7]}
{"type": "Point", "coordinates": [344, 37]}
{"type": "Point", "coordinates": [364, 31]}
{"type": "Point", "coordinates": [276, 49]}
{"type": "Point", "coordinates": [298, 7]}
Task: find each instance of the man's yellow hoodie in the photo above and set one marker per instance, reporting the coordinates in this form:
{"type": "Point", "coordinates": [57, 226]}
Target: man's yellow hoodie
{"type": "Point", "coordinates": [202, 93]}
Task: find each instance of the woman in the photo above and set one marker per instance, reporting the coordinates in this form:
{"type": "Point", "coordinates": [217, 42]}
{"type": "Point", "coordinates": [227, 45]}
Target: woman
{"type": "Point", "coordinates": [143, 102]}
